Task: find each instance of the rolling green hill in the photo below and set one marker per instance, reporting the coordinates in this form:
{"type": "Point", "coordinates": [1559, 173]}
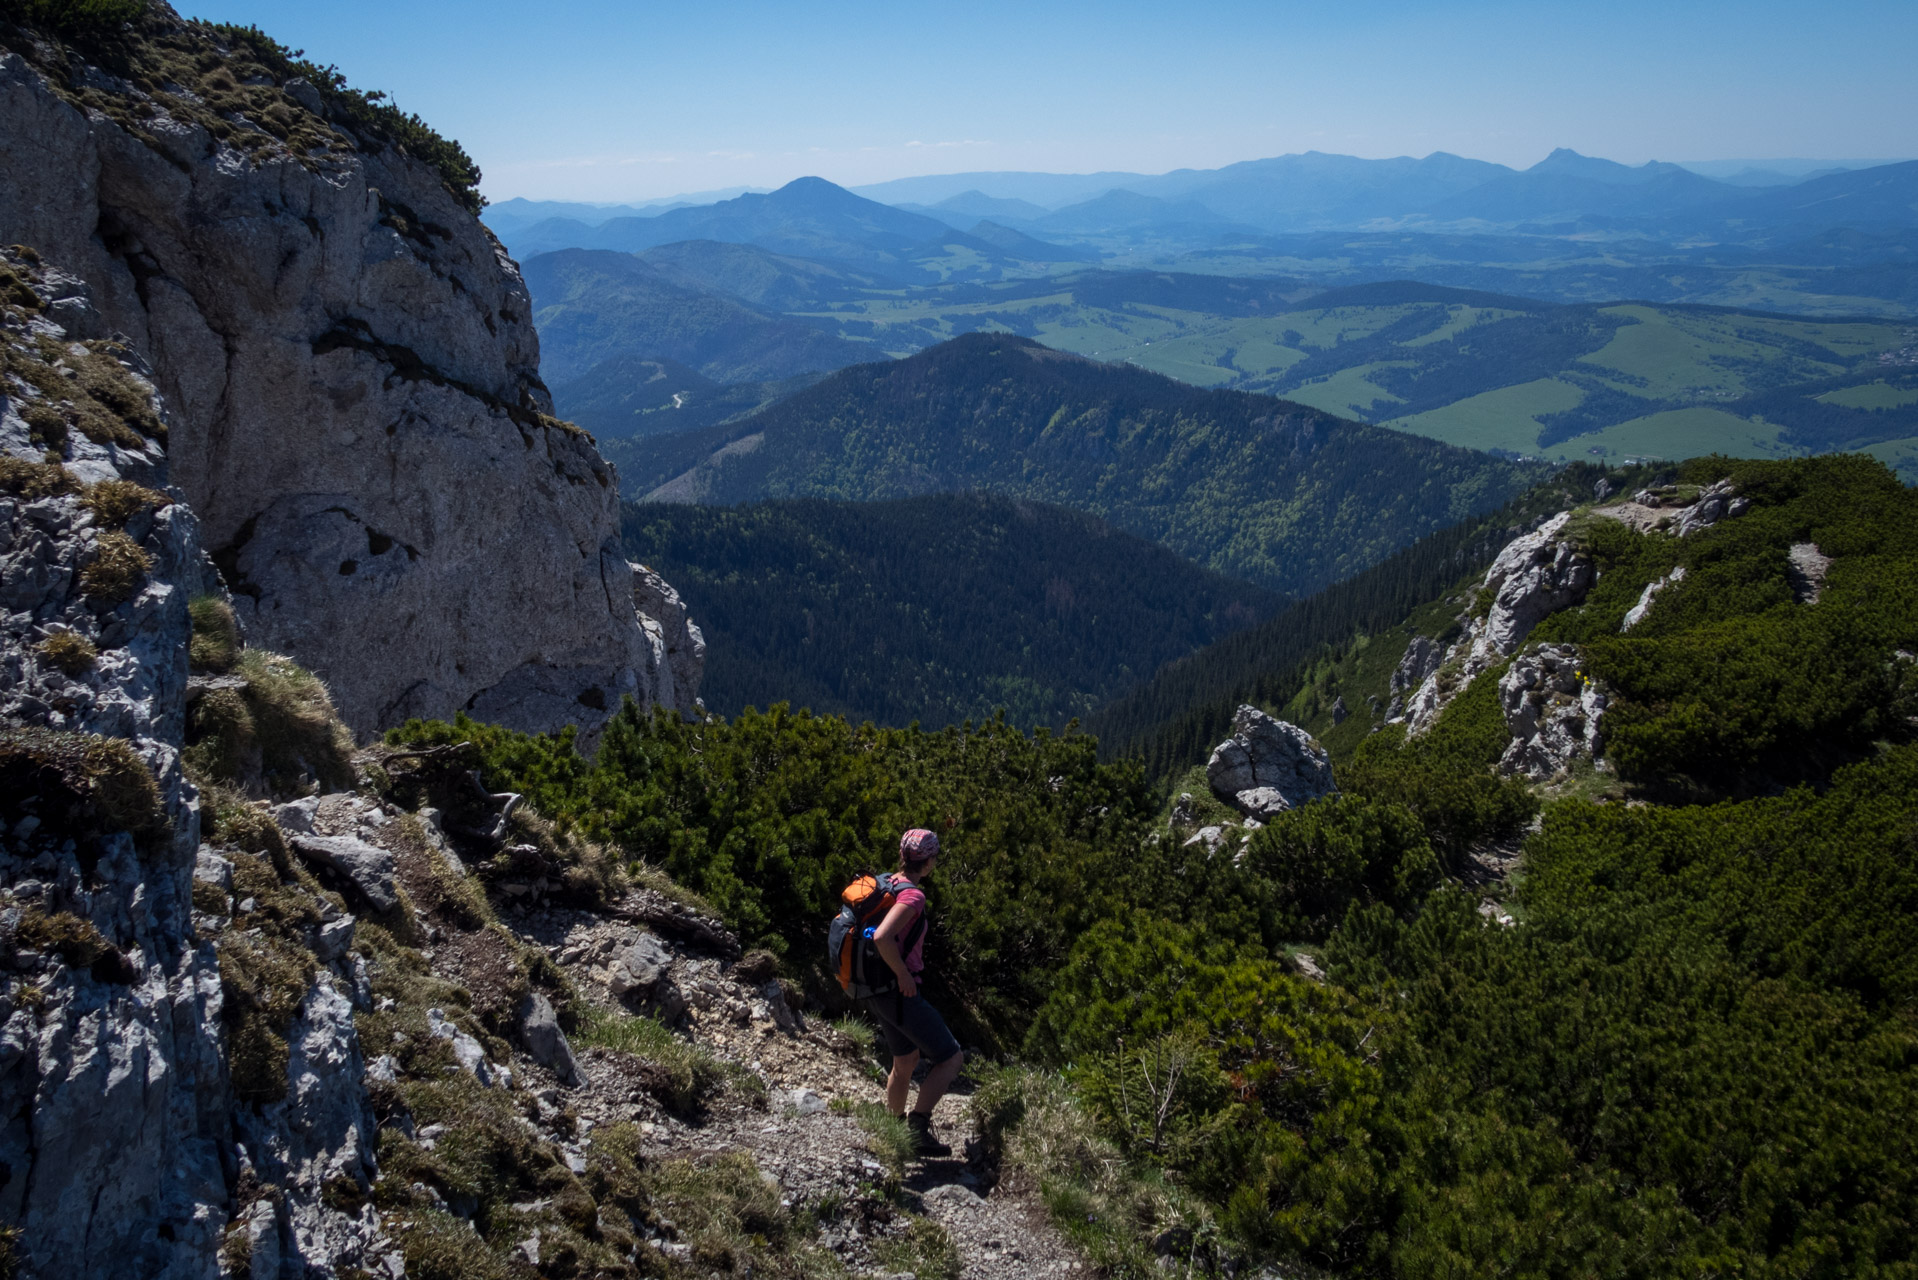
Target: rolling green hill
{"type": "Point", "coordinates": [937, 609]}
{"type": "Point", "coordinates": [1482, 370]}
{"type": "Point", "coordinates": [1275, 493]}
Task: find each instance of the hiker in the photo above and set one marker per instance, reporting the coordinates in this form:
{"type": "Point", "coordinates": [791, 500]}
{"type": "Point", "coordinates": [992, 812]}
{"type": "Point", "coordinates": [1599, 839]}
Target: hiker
{"type": "Point", "coordinates": [911, 1025]}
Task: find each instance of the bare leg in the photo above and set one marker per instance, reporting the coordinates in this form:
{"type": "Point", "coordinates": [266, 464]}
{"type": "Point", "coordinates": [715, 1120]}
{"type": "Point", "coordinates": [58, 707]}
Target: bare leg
{"type": "Point", "coordinates": [934, 1086]}
{"type": "Point", "coordinates": [899, 1083]}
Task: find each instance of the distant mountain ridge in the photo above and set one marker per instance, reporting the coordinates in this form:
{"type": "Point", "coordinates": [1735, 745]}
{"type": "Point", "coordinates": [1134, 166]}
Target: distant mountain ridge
{"type": "Point", "coordinates": [1273, 492]}
{"type": "Point", "coordinates": [807, 218]}
{"type": "Point", "coordinates": [1079, 217]}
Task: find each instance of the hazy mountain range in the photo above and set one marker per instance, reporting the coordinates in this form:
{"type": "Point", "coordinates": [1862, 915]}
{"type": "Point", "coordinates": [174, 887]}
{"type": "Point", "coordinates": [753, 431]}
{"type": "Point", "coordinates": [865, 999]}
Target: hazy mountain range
{"type": "Point", "coordinates": [901, 221]}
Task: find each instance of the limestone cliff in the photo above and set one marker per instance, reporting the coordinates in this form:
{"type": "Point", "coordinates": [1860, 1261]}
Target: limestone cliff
{"type": "Point", "coordinates": [357, 417]}
{"type": "Point", "coordinates": [115, 1148]}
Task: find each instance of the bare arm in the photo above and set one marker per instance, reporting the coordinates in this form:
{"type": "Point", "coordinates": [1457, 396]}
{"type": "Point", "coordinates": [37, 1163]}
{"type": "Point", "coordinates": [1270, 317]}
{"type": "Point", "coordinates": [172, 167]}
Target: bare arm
{"type": "Point", "coordinates": [886, 939]}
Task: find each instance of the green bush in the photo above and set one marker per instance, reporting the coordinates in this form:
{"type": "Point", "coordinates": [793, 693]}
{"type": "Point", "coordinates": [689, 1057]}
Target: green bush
{"type": "Point", "coordinates": [1326, 855]}
{"type": "Point", "coordinates": [74, 17]}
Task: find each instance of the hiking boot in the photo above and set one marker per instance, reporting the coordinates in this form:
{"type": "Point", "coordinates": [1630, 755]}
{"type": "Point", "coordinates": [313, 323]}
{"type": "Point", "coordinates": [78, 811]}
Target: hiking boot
{"type": "Point", "coordinates": [919, 1124]}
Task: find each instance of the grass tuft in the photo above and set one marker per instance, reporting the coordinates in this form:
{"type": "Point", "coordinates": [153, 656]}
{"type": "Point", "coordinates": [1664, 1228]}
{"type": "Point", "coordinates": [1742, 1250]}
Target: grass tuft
{"type": "Point", "coordinates": [114, 502]}
{"type": "Point", "coordinates": [69, 651]}
{"type": "Point", "coordinates": [34, 480]}
{"type": "Point", "coordinates": [118, 567]}
{"type": "Point", "coordinates": [690, 1076]}
{"type": "Point", "coordinates": [887, 1137]}
{"type": "Point", "coordinates": [215, 646]}
{"type": "Point", "coordinates": [925, 1248]}
{"type": "Point", "coordinates": [279, 735]}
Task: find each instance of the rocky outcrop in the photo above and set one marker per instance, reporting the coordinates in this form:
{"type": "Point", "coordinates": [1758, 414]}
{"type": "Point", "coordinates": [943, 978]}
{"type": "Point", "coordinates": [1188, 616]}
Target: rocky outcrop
{"type": "Point", "coordinates": [1805, 568]}
{"type": "Point", "coordinates": [1680, 510]}
{"type": "Point", "coordinates": [1535, 576]}
{"type": "Point", "coordinates": [1636, 614]}
{"type": "Point", "coordinates": [1552, 709]}
{"type": "Point", "coordinates": [1422, 657]}
{"type": "Point", "coordinates": [358, 420]}
{"type": "Point", "coordinates": [672, 634]}
{"type": "Point", "coordinates": [1268, 766]}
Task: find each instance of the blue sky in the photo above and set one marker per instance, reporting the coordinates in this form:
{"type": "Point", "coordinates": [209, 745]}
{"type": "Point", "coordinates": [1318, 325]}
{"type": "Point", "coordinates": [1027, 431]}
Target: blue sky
{"type": "Point", "coordinates": [610, 101]}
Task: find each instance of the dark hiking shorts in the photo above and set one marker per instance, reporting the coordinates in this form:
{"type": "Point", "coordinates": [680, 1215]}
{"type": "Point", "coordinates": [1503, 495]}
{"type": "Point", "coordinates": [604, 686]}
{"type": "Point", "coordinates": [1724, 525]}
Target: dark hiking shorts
{"type": "Point", "coordinates": [913, 1026]}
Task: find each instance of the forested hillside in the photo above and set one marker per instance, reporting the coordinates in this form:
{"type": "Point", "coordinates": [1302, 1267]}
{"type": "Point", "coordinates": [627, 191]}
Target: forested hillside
{"type": "Point", "coordinates": [934, 610]}
{"type": "Point", "coordinates": [1176, 716]}
{"type": "Point", "coordinates": [1680, 1044]}
{"type": "Point", "coordinates": [1257, 488]}
{"type": "Point", "coordinates": [592, 305]}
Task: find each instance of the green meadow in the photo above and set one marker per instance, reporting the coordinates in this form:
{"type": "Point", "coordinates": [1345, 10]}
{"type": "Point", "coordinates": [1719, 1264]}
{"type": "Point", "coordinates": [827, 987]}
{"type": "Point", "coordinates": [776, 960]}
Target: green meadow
{"type": "Point", "coordinates": [1535, 379]}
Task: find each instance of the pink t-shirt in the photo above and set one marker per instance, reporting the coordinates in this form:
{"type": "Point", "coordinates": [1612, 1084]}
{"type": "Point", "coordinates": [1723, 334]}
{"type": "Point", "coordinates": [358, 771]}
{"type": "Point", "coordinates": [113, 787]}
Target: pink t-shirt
{"type": "Point", "coordinates": [913, 898]}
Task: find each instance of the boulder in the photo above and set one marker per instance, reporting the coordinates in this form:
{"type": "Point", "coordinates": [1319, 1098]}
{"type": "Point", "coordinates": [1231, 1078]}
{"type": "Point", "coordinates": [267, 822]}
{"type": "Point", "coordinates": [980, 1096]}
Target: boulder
{"type": "Point", "coordinates": [1552, 710]}
{"type": "Point", "coordinates": [1268, 766]}
{"type": "Point", "coordinates": [640, 967]}
{"type": "Point", "coordinates": [1210, 837]}
{"type": "Point", "coordinates": [296, 816]}
{"type": "Point", "coordinates": [784, 1016]}
{"type": "Point", "coordinates": [367, 867]}
{"type": "Point", "coordinates": [466, 1050]}
{"type": "Point", "coordinates": [334, 939]}
{"type": "Point", "coordinates": [540, 1033]}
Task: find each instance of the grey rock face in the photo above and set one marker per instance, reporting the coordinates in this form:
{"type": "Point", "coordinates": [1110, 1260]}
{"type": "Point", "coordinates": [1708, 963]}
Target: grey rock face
{"type": "Point", "coordinates": [1422, 657]}
{"type": "Point", "coordinates": [358, 417]}
{"type": "Point", "coordinates": [1636, 614]}
{"type": "Point", "coordinates": [1268, 766]}
{"type": "Point", "coordinates": [540, 1032]}
{"type": "Point", "coordinates": [1716, 503]}
{"type": "Point", "coordinates": [322, 1130]}
{"type": "Point", "coordinates": [664, 616]}
{"type": "Point", "coordinates": [367, 867]}
{"type": "Point", "coordinates": [1552, 709]}
{"type": "Point", "coordinates": [114, 1090]}
{"type": "Point", "coordinates": [1536, 575]}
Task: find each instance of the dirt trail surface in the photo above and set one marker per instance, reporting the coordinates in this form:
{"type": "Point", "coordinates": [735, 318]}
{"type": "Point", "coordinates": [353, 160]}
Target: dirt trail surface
{"type": "Point", "coordinates": [802, 1135]}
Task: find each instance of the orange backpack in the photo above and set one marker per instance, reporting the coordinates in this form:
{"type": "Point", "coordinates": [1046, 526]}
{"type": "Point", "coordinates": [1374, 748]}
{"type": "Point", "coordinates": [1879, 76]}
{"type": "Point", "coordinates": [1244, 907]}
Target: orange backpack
{"type": "Point", "coordinates": [850, 948]}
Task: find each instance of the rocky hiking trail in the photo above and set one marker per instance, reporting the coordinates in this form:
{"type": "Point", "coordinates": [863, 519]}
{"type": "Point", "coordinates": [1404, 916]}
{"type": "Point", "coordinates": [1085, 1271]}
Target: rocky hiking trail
{"type": "Point", "coordinates": [801, 1136]}
{"type": "Point", "coordinates": [645, 962]}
